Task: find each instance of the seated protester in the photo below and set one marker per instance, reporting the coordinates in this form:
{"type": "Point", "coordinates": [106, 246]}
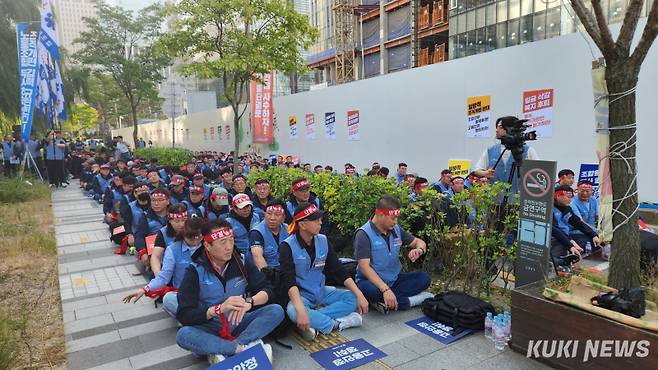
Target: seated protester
{"type": "Point", "coordinates": [410, 180]}
{"type": "Point", "coordinates": [328, 169]}
{"type": "Point", "coordinates": [305, 259]}
{"type": "Point", "coordinates": [194, 202]}
{"type": "Point", "coordinates": [565, 177]}
{"type": "Point", "coordinates": [565, 216]}
{"type": "Point", "coordinates": [383, 172]}
{"type": "Point", "coordinates": [265, 237]}
{"type": "Point", "coordinates": [226, 175]}
{"type": "Point", "coordinates": [318, 169]}
{"type": "Point", "coordinates": [177, 188]}
{"type": "Point", "coordinates": [217, 205]}
{"type": "Point", "coordinates": [443, 185]}
{"type": "Point", "coordinates": [154, 219]}
{"type": "Point", "coordinates": [176, 216]}
{"type": "Point", "coordinates": [154, 180]}
{"type": "Point", "coordinates": [188, 170]}
{"type": "Point", "coordinates": [165, 173]}
{"type": "Point", "coordinates": [240, 186]}
{"type": "Point", "coordinates": [177, 257]}
{"type": "Point", "coordinates": [133, 212]}
{"type": "Point", "coordinates": [242, 219]}
{"type": "Point", "coordinates": [457, 185]}
{"type": "Point", "coordinates": [588, 207]}
{"type": "Point", "coordinates": [142, 173]}
{"type": "Point", "coordinates": [112, 198]}
{"type": "Point", "coordinates": [199, 180]}
{"type": "Point", "coordinates": [420, 184]}
{"type": "Point", "coordinates": [218, 321]}
{"type": "Point", "coordinates": [262, 197]}
{"type": "Point", "coordinates": [89, 170]}
{"type": "Point", "coordinates": [101, 182]}
{"type": "Point", "coordinates": [379, 272]}
{"type": "Point", "coordinates": [121, 165]}
{"type": "Point", "coordinates": [300, 192]}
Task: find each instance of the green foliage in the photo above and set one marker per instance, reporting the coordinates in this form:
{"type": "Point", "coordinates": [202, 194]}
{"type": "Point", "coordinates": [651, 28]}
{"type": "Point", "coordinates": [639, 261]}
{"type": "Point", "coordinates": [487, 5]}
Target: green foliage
{"type": "Point", "coordinates": [8, 340]}
{"type": "Point", "coordinates": [15, 191]}
{"type": "Point", "coordinates": [279, 178]}
{"type": "Point", "coordinates": [82, 118]}
{"type": "Point", "coordinates": [166, 156]}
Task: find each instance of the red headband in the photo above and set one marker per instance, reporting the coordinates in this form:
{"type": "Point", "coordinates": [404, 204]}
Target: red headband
{"type": "Point", "coordinates": [143, 187]}
{"type": "Point", "coordinates": [222, 233]}
{"type": "Point", "coordinates": [159, 196]}
{"type": "Point", "coordinates": [196, 188]}
{"type": "Point", "coordinates": [585, 186]}
{"type": "Point", "coordinates": [421, 185]}
{"type": "Point", "coordinates": [311, 209]}
{"type": "Point", "coordinates": [300, 184]}
{"type": "Point", "coordinates": [388, 212]}
{"type": "Point", "coordinates": [275, 209]}
{"type": "Point", "coordinates": [219, 196]}
{"type": "Point", "coordinates": [560, 193]}
{"type": "Point", "coordinates": [178, 216]}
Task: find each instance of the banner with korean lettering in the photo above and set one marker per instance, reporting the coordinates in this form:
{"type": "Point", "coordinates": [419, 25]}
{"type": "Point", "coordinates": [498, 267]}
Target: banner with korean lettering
{"type": "Point", "coordinates": [310, 126]}
{"type": "Point", "coordinates": [478, 116]}
{"type": "Point", "coordinates": [262, 109]}
{"type": "Point", "coordinates": [590, 172]}
{"type": "Point", "coordinates": [353, 125]}
{"type": "Point", "coordinates": [330, 125]}
{"type": "Point", "coordinates": [538, 110]}
{"type": "Point", "coordinates": [292, 122]}
{"type": "Point", "coordinates": [27, 73]}
{"type": "Point", "coordinates": [459, 167]}
{"type": "Point", "coordinates": [347, 355]}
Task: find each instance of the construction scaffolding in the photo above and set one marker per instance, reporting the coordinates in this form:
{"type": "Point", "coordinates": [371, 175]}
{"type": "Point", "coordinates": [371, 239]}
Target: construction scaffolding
{"type": "Point", "coordinates": [344, 32]}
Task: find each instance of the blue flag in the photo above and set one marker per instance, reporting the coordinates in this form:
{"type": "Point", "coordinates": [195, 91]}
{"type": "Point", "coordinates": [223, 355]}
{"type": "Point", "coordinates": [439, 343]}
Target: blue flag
{"type": "Point", "coordinates": [27, 73]}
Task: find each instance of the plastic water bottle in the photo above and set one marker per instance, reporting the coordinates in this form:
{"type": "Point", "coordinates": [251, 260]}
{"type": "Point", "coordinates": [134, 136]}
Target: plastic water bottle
{"type": "Point", "coordinates": [508, 325]}
{"type": "Point", "coordinates": [499, 335]}
{"type": "Point", "coordinates": [488, 324]}
{"type": "Point", "coordinates": [588, 248]}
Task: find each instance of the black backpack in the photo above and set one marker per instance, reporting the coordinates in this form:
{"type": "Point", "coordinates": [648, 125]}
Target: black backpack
{"type": "Point", "coordinates": [458, 310]}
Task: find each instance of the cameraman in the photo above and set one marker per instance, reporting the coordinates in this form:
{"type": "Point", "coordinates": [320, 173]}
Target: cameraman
{"type": "Point", "coordinates": [485, 166]}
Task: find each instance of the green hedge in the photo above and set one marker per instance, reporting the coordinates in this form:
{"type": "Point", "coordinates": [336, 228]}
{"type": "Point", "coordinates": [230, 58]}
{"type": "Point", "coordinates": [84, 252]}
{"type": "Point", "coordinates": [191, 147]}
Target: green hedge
{"type": "Point", "coordinates": [166, 156]}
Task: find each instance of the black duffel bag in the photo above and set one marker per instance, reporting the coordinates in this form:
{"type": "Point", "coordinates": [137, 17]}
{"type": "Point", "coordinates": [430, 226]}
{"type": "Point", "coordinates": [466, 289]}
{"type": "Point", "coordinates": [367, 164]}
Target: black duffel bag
{"type": "Point", "coordinates": [458, 310]}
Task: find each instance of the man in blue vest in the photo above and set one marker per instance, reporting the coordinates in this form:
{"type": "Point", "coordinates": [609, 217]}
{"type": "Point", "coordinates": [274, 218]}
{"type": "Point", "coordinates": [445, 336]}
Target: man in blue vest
{"type": "Point", "coordinates": [443, 185]}
{"type": "Point", "coordinates": [8, 156]}
{"type": "Point", "coordinates": [265, 237]}
{"type": "Point", "coordinates": [262, 197]}
{"type": "Point", "coordinates": [300, 191]}
{"type": "Point", "coordinates": [306, 258]}
{"type": "Point", "coordinates": [401, 173]}
{"type": "Point", "coordinates": [485, 166]}
{"type": "Point", "coordinates": [55, 149]}
{"type": "Point", "coordinates": [199, 180]}
{"type": "Point", "coordinates": [242, 219]}
{"type": "Point", "coordinates": [194, 201]}
{"type": "Point", "coordinates": [134, 211]}
{"type": "Point", "coordinates": [588, 207]}
{"type": "Point", "coordinates": [150, 223]}
{"type": "Point", "coordinates": [177, 187]}
{"type": "Point", "coordinates": [565, 250]}
{"type": "Point", "coordinates": [379, 273]}
{"type": "Point", "coordinates": [101, 182]}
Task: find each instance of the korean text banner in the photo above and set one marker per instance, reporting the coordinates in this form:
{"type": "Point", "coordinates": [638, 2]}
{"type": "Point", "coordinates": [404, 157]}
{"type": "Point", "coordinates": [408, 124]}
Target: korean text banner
{"type": "Point", "coordinates": [538, 110]}
{"type": "Point", "coordinates": [478, 116]}
{"type": "Point", "coordinates": [310, 126]}
{"type": "Point", "coordinates": [27, 73]}
{"type": "Point", "coordinates": [459, 167]}
{"type": "Point", "coordinates": [292, 122]}
{"type": "Point", "coordinates": [262, 109]}
{"type": "Point", "coordinates": [353, 125]}
{"type": "Point", "coordinates": [330, 125]}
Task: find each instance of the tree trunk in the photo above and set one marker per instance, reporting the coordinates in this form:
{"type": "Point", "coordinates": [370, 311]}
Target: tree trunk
{"type": "Point", "coordinates": [625, 260]}
{"type": "Point", "coordinates": [236, 130]}
{"type": "Point", "coordinates": [134, 114]}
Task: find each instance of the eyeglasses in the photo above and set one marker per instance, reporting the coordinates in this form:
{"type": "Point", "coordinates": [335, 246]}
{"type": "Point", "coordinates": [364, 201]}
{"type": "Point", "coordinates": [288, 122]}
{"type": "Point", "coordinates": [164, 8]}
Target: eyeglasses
{"type": "Point", "coordinates": [193, 236]}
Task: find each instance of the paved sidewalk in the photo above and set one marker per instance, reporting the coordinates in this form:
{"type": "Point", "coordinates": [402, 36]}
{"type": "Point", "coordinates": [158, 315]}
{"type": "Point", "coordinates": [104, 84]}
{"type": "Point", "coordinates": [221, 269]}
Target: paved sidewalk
{"type": "Point", "coordinates": [103, 333]}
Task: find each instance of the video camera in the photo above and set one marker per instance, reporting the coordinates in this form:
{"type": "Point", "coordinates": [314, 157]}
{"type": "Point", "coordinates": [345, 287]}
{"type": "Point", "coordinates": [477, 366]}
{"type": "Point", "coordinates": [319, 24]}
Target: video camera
{"type": "Point", "coordinates": [516, 136]}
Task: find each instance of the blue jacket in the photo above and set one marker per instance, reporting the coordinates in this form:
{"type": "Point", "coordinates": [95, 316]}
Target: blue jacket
{"type": "Point", "coordinates": [563, 218]}
{"type": "Point", "coordinates": [310, 277]}
{"type": "Point", "coordinates": [176, 258]}
{"type": "Point", "coordinates": [589, 212]}
{"type": "Point", "coordinates": [149, 224]}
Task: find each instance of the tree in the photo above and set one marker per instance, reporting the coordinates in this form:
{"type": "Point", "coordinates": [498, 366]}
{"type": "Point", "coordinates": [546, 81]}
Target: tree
{"type": "Point", "coordinates": [621, 75]}
{"type": "Point", "coordinates": [121, 45]}
{"type": "Point", "coordinates": [237, 41]}
{"type": "Point", "coordinates": [82, 118]}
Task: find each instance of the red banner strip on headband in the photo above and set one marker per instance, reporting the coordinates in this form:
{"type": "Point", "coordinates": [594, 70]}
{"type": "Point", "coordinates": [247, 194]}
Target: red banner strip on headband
{"type": "Point", "coordinates": [219, 196]}
{"type": "Point", "coordinates": [585, 186]}
{"type": "Point", "coordinates": [159, 196]}
{"type": "Point", "coordinates": [421, 186]}
{"type": "Point", "coordinates": [388, 212]}
{"type": "Point", "coordinates": [300, 184]}
{"type": "Point", "coordinates": [560, 193]}
{"type": "Point", "coordinates": [275, 209]}
{"type": "Point", "coordinates": [311, 209]}
{"type": "Point", "coordinates": [222, 233]}
{"type": "Point", "coordinates": [178, 216]}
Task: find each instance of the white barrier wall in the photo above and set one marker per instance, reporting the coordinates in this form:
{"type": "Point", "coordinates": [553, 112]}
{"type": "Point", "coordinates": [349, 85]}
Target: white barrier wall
{"type": "Point", "coordinates": [418, 116]}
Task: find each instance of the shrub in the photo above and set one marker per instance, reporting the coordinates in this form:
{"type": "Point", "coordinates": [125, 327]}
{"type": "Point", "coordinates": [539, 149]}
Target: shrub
{"type": "Point", "coordinates": [166, 156]}
{"type": "Point", "coordinates": [8, 343]}
{"type": "Point", "coordinates": [15, 190]}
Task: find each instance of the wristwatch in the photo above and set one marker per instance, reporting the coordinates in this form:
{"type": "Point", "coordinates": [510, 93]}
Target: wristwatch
{"type": "Point", "coordinates": [251, 302]}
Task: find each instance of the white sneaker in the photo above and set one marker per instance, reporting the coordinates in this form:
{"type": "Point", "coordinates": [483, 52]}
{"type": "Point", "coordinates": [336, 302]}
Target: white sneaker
{"type": "Point", "coordinates": [215, 359]}
{"type": "Point", "coordinates": [268, 351]}
{"type": "Point", "coordinates": [308, 335]}
{"type": "Point", "coordinates": [252, 344]}
{"type": "Point", "coordinates": [419, 298]}
{"type": "Point", "coordinates": [352, 320]}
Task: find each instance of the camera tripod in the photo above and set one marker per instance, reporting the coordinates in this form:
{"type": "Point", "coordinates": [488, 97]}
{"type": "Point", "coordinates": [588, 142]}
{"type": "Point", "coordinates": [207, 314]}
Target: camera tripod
{"type": "Point", "coordinates": [516, 169]}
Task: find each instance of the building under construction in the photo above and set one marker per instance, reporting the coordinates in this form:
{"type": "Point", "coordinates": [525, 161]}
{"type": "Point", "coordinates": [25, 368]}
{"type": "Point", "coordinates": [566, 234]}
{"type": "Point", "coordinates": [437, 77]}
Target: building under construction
{"type": "Point", "coordinates": [366, 38]}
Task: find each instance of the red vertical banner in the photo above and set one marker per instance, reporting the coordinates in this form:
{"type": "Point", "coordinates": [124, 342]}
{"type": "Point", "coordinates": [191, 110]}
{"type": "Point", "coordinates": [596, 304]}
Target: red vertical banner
{"type": "Point", "coordinates": [262, 109]}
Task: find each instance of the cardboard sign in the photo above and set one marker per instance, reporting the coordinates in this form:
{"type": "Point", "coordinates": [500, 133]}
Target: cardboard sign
{"type": "Point", "coordinates": [459, 167]}
{"type": "Point", "coordinates": [150, 243]}
{"type": "Point", "coordinates": [348, 355]}
{"type": "Point", "coordinates": [437, 330]}
{"type": "Point", "coordinates": [252, 358]}
{"type": "Point", "coordinates": [118, 230]}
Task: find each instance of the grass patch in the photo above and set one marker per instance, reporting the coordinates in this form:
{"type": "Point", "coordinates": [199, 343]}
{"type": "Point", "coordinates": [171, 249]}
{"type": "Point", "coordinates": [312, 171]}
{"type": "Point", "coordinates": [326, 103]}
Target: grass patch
{"type": "Point", "coordinates": [31, 325]}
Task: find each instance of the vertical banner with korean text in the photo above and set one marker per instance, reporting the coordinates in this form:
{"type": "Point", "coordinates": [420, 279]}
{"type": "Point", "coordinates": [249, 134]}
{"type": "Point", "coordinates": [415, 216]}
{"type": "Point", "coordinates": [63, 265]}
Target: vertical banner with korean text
{"type": "Point", "coordinates": [353, 125]}
{"type": "Point", "coordinates": [292, 122]}
{"type": "Point", "coordinates": [330, 125]}
{"type": "Point", "coordinates": [478, 116]}
{"type": "Point", "coordinates": [538, 110]}
{"type": "Point", "coordinates": [261, 109]}
{"type": "Point", "coordinates": [310, 126]}
{"type": "Point", "coordinates": [27, 73]}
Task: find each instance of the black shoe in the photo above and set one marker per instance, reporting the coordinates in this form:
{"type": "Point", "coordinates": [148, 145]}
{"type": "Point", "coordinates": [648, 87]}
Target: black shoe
{"type": "Point", "coordinates": [569, 259]}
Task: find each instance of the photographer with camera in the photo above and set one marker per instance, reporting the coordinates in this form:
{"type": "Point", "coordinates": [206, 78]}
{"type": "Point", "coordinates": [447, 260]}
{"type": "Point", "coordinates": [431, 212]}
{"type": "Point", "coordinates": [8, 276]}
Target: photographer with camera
{"type": "Point", "coordinates": [496, 163]}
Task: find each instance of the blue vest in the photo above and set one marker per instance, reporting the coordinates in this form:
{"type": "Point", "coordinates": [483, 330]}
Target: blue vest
{"type": "Point", "coordinates": [116, 199]}
{"type": "Point", "coordinates": [168, 240]}
{"type": "Point", "coordinates": [291, 207]}
{"type": "Point", "coordinates": [182, 259]}
{"type": "Point", "coordinates": [92, 144]}
{"type": "Point", "coordinates": [212, 215]}
{"type": "Point", "coordinates": [137, 213]}
{"type": "Point", "coordinates": [211, 290]}
{"type": "Point", "coordinates": [33, 147]}
{"type": "Point", "coordinates": [240, 234]}
{"type": "Point", "coordinates": [271, 247]}
{"type": "Point", "coordinates": [444, 188]}
{"type": "Point", "coordinates": [7, 150]}
{"type": "Point", "coordinates": [588, 211]}
{"type": "Point", "coordinates": [310, 278]}
{"type": "Point", "coordinates": [385, 261]}
{"type": "Point", "coordinates": [259, 211]}
{"type": "Point", "coordinates": [103, 182]}
{"type": "Point", "coordinates": [156, 224]}
{"type": "Point", "coordinates": [504, 166]}
{"type": "Point", "coordinates": [561, 220]}
{"type": "Point", "coordinates": [192, 210]}
{"type": "Point", "coordinates": [163, 175]}
{"type": "Point", "coordinates": [53, 152]}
